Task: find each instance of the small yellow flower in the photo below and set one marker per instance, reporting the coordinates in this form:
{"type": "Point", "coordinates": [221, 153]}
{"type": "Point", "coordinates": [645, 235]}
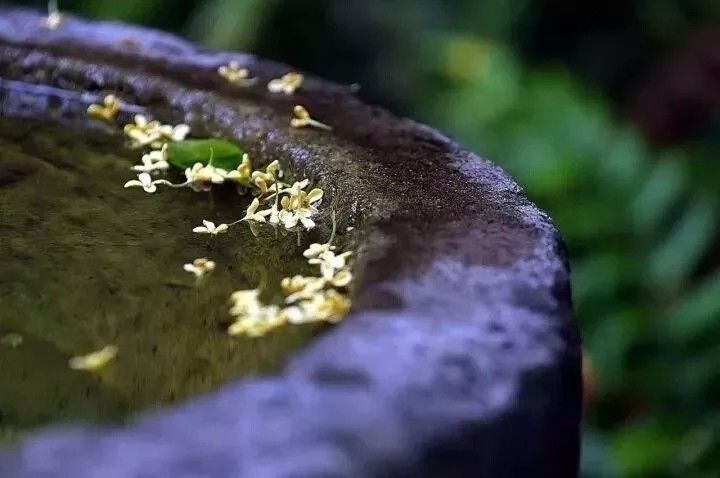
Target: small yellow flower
{"type": "Point", "coordinates": [252, 213]}
{"type": "Point", "coordinates": [300, 207]}
{"type": "Point", "coordinates": [293, 315]}
{"type": "Point", "coordinates": [252, 317]}
{"type": "Point", "coordinates": [301, 287]}
{"type": "Point", "coordinates": [175, 133]}
{"type": "Point", "coordinates": [153, 162]}
{"type": "Point", "coordinates": [241, 174]}
{"type": "Point", "coordinates": [330, 262]}
{"type": "Point", "coordinates": [209, 227]}
{"type": "Point", "coordinates": [301, 119]}
{"type": "Point", "coordinates": [329, 306]}
{"type": "Point", "coordinates": [256, 326]}
{"type": "Point", "coordinates": [11, 340]}
{"type": "Point", "coordinates": [107, 111]}
{"type": "Point", "coordinates": [144, 133]}
{"type": "Point", "coordinates": [200, 267]}
{"type": "Point", "coordinates": [296, 187]}
{"type": "Point", "coordinates": [287, 84]}
{"type": "Point", "coordinates": [264, 180]}
{"type": "Point", "coordinates": [233, 73]}
{"type": "Point", "coordinates": [54, 17]}
{"type": "Point", "coordinates": [146, 182]}
{"type": "Point", "coordinates": [342, 278]}
{"type": "Point", "coordinates": [245, 302]}
{"type": "Point", "coordinates": [95, 360]}
{"type": "Point", "coordinates": [201, 178]}
{"type": "Point", "coordinates": [314, 250]}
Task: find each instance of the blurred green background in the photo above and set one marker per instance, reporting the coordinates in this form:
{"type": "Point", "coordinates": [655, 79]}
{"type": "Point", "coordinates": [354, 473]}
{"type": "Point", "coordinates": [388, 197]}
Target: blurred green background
{"type": "Point", "coordinates": [607, 113]}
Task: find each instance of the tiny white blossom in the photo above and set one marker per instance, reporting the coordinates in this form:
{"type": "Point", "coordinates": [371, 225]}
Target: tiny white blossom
{"type": "Point", "coordinates": [144, 181]}
{"type": "Point", "coordinates": [105, 111]}
{"type": "Point", "coordinates": [54, 17]}
{"type": "Point", "coordinates": [235, 74]}
{"type": "Point", "coordinates": [201, 178]}
{"type": "Point", "coordinates": [200, 267]}
{"type": "Point", "coordinates": [209, 227]}
{"type": "Point", "coordinates": [143, 132]}
{"type": "Point", "coordinates": [175, 133]}
{"type": "Point", "coordinates": [154, 161]}
{"type": "Point", "coordinates": [287, 84]}
{"type": "Point", "coordinates": [252, 213]}
{"type": "Point", "coordinates": [95, 360]}
{"type": "Point", "coordinates": [330, 263]}
{"type": "Point", "coordinates": [315, 250]}
{"type": "Point", "coordinates": [302, 119]}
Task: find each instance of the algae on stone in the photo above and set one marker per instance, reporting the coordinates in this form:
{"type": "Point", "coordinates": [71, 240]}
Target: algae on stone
{"type": "Point", "coordinates": [84, 263]}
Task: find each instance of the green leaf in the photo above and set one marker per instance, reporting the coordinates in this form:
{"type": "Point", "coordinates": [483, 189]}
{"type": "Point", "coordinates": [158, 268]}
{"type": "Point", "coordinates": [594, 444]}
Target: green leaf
{"type": "Point", "coordinates": [697, 313]}
{"type": "Point", "coordinates": [184, 154]}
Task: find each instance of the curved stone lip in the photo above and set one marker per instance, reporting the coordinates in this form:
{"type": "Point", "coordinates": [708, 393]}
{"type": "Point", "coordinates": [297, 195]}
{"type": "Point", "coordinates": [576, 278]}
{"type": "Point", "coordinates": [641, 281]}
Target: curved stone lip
{"type": "Point", "coordinates": [460, 356]}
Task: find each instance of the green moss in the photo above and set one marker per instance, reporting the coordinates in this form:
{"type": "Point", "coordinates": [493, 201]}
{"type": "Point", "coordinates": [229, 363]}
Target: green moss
{"type": "Point", "coordinates": [85, 263]}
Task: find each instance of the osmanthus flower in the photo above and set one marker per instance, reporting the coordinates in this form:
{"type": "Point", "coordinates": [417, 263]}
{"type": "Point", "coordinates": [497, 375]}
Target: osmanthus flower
{"type": "Point", "coordinates": [95, 360]}
{"type": "Point", "coordinates": [268, 319]}
{"type": "Point", "coordinates": [201, 177]}
{"type": "Point", "coordinates": [315, 249]}
{"type": "Point", "coordinates": [264, 180]}
{"type": "Point", "coordinates": [301, 287]}
{"type": "Point", "coordinates": [328, 305]}
{"type": "Point", "coordinates": [287, 83]}
{"type": "Point", "coordinates": [145, 181]}
{"type": "Point", "coordinates": [241, 174]}
{"type": "Point", "coordinates": [200, 267]}
{"type": "Point", "coordinates": [209, 227]}
{"type": "Point", "coordinates": [107, 110]}
{"type": "Point", "coordinates": [290, 219]}
{"type": "Point", "coordinates": [143, 133]}
{"type": "Point", "coordinates": [54, 18]}
{"type": "Point", "coordinates": [295, 188]}
{"type": "Point", "coordinates": [299, 208]}
{"type": "Point", "coordinates": [153, 162]}
{"type": "Point", "coordinates": [236, 74]}
{"type": "Point", "coordinates": [330, 263]}
{"type": "Point", "coordinates": [252, 317]}
{"type": "Point", "coordinates": [341, 278]}
{"type": "Point", "coordinates": [245, 302]}
{"type": "Point", "coordinates": [293, 315]}
{"type": "Point", "coordinates": [302, 119]}
{"type": "Point", "coordinates": [252, 213]}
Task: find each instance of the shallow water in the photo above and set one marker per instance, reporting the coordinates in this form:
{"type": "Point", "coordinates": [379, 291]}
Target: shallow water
{"type": "Point", "coordinates": [85, 263]}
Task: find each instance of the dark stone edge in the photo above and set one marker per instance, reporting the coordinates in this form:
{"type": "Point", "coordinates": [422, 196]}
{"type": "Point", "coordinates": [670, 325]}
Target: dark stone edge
{"type": "Point", "coordinates": [460, 357]}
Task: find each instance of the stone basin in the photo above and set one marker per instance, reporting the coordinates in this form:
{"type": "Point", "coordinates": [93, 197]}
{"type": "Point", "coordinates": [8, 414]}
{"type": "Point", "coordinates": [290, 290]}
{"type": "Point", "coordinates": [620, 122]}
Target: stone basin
{"type": "Point", "coordinates": [460, 355]}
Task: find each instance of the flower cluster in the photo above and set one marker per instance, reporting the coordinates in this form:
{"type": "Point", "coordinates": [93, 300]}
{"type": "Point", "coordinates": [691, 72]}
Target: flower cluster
{"type": "Point", "coordinates": [295, 208]}
{"type": "Point", "coordinates": [144, 133]}
{"type": "Point", "coordinates": [308, 298]}
{"type": "Point", "coordinates": [291, 206]}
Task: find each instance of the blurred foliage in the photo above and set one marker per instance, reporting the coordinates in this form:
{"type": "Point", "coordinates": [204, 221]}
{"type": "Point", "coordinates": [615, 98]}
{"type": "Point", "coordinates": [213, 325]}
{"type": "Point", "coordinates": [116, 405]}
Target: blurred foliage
{"type": "Point", "coordinates": [539, 87]}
